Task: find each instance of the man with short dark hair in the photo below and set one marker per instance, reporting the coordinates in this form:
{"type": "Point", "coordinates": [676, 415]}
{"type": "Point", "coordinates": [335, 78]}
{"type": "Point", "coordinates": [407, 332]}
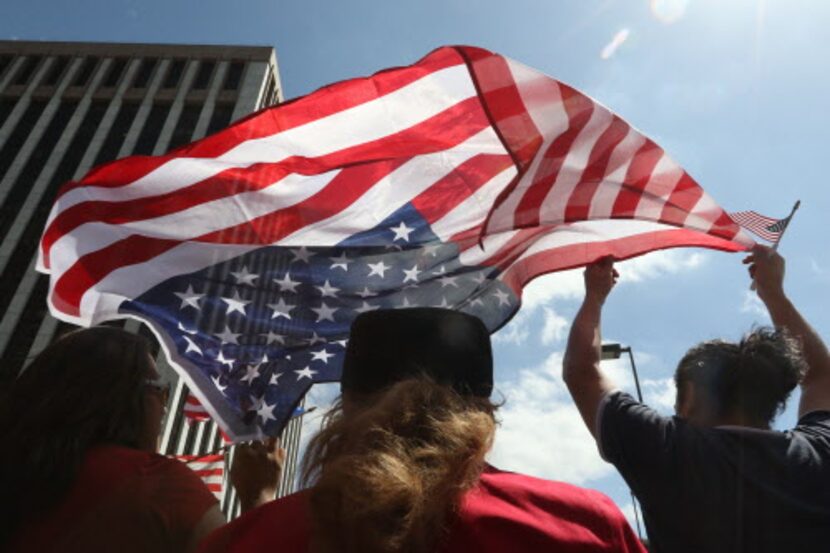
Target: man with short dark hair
{"type": "Point", "coordinates": [715, 477]}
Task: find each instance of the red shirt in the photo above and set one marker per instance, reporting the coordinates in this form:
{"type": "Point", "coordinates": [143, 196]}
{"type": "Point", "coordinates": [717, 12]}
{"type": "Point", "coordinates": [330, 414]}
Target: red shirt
{"type": "Point", "coordinates": [123, 500]}
{"type": "Point", "coordinates": [505, 512]}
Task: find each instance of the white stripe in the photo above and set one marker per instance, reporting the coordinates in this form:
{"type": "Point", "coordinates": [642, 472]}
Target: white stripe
{"type": "Point", "coordinates": [389, 114]}
{"type": "Point", "coordinates": [663, 180]}
{"type": "Point", "coordinates": [197, 466]}
{"type": "Point", "coordinates": [552, 209]}
{"type": "Point", "coordinates": [493, 243]}
{"type": "Point", "coordinates": [703, 215]}
{"type": "Point", "coordinates": [389, 194]}
{"type": "Point", "coordinates": [541, 97]}
{"type": "Point", "coordinates": [603, 202]}
{"type": "Point", "coordinates": [212, 479]}
{"type": "Point", "coordinates": [472, 211]}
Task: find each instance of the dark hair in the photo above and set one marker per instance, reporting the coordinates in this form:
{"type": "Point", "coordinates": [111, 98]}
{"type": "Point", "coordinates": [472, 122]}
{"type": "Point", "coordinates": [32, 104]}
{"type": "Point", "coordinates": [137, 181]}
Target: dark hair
{"type": "Point", "coordinates": [85, 389]}
{"type": "Point", "coordinates": [753, 377]}
{"type": "Point", "coordinates": [389, 473]}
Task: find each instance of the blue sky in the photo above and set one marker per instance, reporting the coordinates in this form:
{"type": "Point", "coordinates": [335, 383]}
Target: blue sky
{"type": "Point", "coordinates": [735, 91]}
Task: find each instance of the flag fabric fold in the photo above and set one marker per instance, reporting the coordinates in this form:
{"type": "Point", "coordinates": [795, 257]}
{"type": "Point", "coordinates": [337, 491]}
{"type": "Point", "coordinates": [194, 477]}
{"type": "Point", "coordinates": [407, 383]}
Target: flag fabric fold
{"type": "Point", "coordinates": [210, 468]}
{"type": "Point", "coordinates": [451, 182]}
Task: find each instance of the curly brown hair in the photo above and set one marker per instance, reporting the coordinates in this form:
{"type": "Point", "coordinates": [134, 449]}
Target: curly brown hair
{"type": "Point", "coordinates": [753, 377]}
{"type": "Point", "coordinates": [389, 472]}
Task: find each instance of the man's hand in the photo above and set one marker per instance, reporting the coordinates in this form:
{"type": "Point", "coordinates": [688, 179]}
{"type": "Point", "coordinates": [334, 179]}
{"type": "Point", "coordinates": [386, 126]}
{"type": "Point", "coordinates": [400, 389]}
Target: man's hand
{"type": "Point", "coordinates": [766, 268]}
{"type": "Point", "coordinates": [256, 472]}
{"type": "Point", "coordinates": [600, 278]}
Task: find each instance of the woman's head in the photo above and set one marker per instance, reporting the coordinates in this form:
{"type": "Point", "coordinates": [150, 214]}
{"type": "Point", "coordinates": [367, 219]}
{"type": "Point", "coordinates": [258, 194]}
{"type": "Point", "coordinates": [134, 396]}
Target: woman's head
{"type": "Point", "coordinates": [87, 388]}
{"type": "Point", "coordinates": [744, 383]}
{"type": "Point", "coordinates": [409, 436]}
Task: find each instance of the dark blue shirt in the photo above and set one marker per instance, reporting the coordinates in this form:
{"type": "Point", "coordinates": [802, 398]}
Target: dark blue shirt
{"type": "Point", "coordinates": [729, 489]}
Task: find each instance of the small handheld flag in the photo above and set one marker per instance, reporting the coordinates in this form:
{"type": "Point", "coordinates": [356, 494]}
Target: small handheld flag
{"type": "Point", "coordinates": [771, 230]}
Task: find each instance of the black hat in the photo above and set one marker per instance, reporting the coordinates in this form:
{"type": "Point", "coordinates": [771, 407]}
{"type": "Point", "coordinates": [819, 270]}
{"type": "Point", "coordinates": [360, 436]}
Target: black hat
{"type": "Point", "coordinates": [387, 346]}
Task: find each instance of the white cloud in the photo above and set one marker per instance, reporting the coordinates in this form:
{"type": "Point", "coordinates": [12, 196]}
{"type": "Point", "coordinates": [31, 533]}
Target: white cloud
{"type": "Point", "coordinates": [555, 327]}
{"type": "Point", "coordinates": [562, 285]}
{"type": "Point", "coordinates": [611, 48]}
{"type": "Point", "coordinates": [754, 306]}
{"type": "Point", "coordinates": [515, 332]}
{"type": "Point", "coordinates": [660, 393]}
{"type": "Point", "coordinates": [657, 264]}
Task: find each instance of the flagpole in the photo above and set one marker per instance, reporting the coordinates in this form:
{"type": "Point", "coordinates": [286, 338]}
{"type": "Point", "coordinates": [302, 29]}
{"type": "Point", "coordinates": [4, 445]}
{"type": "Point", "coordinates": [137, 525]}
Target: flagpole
{"type": "Point", "coordinates": [789, 218]}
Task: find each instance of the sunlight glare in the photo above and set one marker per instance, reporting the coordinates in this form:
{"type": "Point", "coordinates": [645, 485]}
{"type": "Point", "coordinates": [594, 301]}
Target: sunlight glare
{"type": "Point", "coordinates": [668, 11]}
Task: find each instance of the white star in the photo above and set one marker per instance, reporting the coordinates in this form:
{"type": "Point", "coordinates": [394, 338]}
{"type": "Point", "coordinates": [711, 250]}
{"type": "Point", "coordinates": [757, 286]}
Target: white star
{"type": "Point", "coordinates": [405, 303]}
{"type": "Point", "coordinates": [402, 232]}
{"type": "Point", "coordinates": [287, 285]}
{"type": "Point", "coordinates": [444, 303]}
{"type": "Point", "coordinates": [340, 261]}
{"type": "Point", "coordinates": [411, 274]}
{"type": "Point", "coordinates": [328, 290]}
{"type": "Point", "coordinates": [218, 383]}
{"type": "Point", "coordinates": [479, 278]}
{"type": "Point", "coordinates": [235, 303]}
{"type": "Point", "coordinates": [301, 254]}
{"type": "Point", "coordinates": [502, 297]}
{"type": "Point", "coordinates": [228, 337]}
{"type": "Point", "coordinates": [305, 373]}
{"type": "Point", "coordinates": [315, 339]}
{"type": "Point", "coordinates": [440, 271]}
{"type": "Point", "coordinates": [431, 249]}
{"type": "Point", "coordinates": [448, 281]}
{"type": "Point", "coordinates": [476, 301]}
{"type": "Point", "coordinates": [187, 330]}
{"type": "Point", "coordinates": [366, 293]}
{"type": "Point", "coordinates": [378, 268]}
{"type": "Point", "coordinates": [191, 346]}
{"type": "Point", "coordinates": [273, 337]}
{"type": "Point", "coordinates": [264, 359]}
{"type": "Point", "coordinates": [324, 312]}
{"type": "Point", "coordinates": [274, 378]}
{"type": "Point", "coordinates": [366, 307]}
{"type": "Point", "coordinates": [281, 309]}
{"type": "Point", "coordinates": [341, 343]}
{"type": "Point", "coordinates": [251, 374]}
{"type": "Point", "coordinates": [221, 359]}
{"type": "Point", "coordinates": [189, 298]}
{"type": "Point", "coordinates": [321, 355]}
{"type": "Point", "coordinates": [244, 277]}
{"type": "Point", "coordinates": [266, 412]}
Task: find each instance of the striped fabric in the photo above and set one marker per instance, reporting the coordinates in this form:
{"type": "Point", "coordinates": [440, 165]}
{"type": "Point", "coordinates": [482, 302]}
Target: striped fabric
{"type": "Point", "coordinates": [765, 227]}
{"type": "Point", "coordinates": [488, 173]}
{"type": "Point", "coordinates": [210, 468]}
{"type": "Point", "coordinates": [193, 410]}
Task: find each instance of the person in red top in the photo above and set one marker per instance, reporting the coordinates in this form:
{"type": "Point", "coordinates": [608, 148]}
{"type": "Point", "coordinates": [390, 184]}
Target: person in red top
{"type": "Point", "coordinates": [399, 464]}
{"type": "Point", "coordinates": [79, 470]}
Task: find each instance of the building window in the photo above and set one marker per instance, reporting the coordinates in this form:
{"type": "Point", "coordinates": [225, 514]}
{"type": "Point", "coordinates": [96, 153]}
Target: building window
{"type": "Point", "coordinates": [56, 70]}
{"type": "Point", "coordinates": [117, 133]}
{"type": "Point", "coordinates": [19, 134]}
{"type": "Point", "coordinates": [203, 75]}
{"type": "Point", "coordinates": [25, 72]}
{"type": "Point", "coordinates": [221, 117]}
{"type": "Point", "coordinates": [152, 129]}
{"type": "Point", "coordinates": [85, 72]}
{"type": "Point", "coordinates": [174, 74]}
{"type": "Point", "coordinates": [234, 76]}
{"type": "Point", "coordinates": [116, 69]}
{"type": "Point", "coordinates": [145, 71]}
{"type": "Point", "coordinates": [183, 131]}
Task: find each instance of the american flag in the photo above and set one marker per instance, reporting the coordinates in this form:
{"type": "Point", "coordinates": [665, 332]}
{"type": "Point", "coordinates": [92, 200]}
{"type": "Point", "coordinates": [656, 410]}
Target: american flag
{"type": "Point", "coordinates": [765, 227]}
{"type": "Point", "coordinates": [451, 182]}
{"type": "Point", "coordinates": [210, 468]}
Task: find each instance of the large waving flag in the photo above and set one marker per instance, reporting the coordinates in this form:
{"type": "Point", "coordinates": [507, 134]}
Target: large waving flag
{"type": "Point", "coordinates": [452, 182]}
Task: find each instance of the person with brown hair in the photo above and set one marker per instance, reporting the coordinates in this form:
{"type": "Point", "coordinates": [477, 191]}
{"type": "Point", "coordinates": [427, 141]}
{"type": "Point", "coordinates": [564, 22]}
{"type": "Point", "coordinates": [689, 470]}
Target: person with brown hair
{"type": "Point", "coordinates": [399, 465]}
{"type": "Point", "coordinates": [716, 477]}
{"type": "Point", "coordinates": [79, 470]}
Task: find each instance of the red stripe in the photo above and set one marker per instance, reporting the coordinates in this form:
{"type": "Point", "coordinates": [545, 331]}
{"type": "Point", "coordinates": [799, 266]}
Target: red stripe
{"type": "Point", "coordinates": [324, 102]}
{"type": "Point", "coordinates": [440, 132]}
{"type": "Point", "coordinates": [213, 457]}
{"type": "Point", "coordinates": [579, 109]}
{"type": "Point", "coordinates": [683, 198]}
{"type": "Point", "coordinates": [579, 204]}
{"type": "Point", "coordinates": [443, 196]}
{"type": "Point", "coordinates": [636, 178]}
{"type": "Point", "coordinates": [219, 471]}
{"type": "Point", "coordinates": [578, 255]}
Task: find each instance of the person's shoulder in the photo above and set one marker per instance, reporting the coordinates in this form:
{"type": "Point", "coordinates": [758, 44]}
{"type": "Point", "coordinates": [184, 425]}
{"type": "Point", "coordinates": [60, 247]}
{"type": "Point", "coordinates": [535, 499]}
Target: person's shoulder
{"type": "Point", "coordinates": [539, 490]}
{"type": "Point", "coordinates": [255, 530]}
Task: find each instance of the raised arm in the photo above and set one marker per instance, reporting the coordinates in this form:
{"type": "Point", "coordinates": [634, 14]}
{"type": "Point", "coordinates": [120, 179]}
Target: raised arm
{"type": "Point", "coordinates": [766, 267]}
{"type": "Point", "coordinates": [580, 368]}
